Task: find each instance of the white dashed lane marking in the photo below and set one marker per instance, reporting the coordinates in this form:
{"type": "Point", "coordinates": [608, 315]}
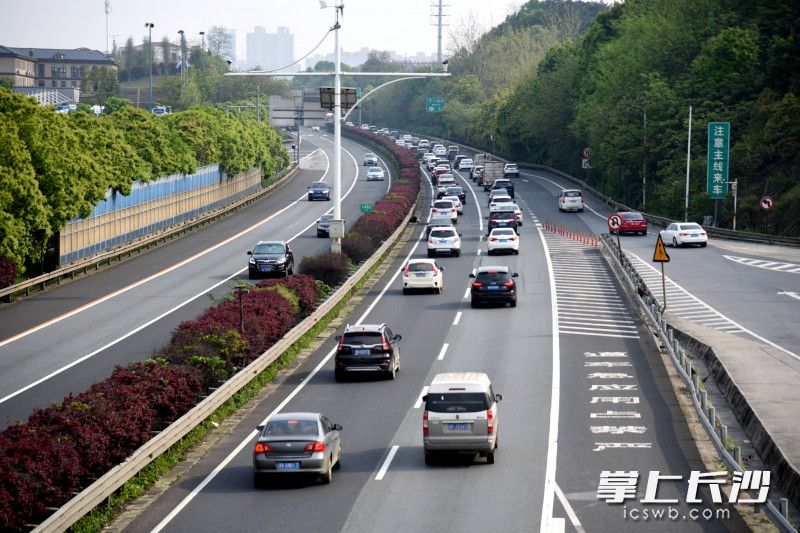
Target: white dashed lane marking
{"type": "Point", "coordinates": [768, 265]}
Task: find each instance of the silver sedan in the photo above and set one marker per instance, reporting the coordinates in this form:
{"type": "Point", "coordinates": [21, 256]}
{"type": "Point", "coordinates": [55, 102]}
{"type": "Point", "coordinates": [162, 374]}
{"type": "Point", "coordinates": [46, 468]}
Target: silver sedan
{"type": "Point", "coordinates": [297, 443]}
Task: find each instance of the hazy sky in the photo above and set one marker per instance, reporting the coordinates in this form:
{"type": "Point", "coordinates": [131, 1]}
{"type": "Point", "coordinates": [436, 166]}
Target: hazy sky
{"type": "Point", "coordinates": [400, 25]}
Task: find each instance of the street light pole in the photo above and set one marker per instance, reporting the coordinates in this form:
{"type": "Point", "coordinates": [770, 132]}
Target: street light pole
{"type": "Point", "coordinates": [149, 26]}
{"type": "Point", "coordinates": [688, 164]}
{"type": "Point", "coordinates": [336, 243]}
{"type": "Point", "coordinates": [183, 57]}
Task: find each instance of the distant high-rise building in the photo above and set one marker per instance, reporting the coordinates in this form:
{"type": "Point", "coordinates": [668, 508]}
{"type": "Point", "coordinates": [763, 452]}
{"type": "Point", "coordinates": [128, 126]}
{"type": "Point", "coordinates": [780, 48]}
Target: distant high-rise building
{"type": "Point", "coordinates": [270, 50]}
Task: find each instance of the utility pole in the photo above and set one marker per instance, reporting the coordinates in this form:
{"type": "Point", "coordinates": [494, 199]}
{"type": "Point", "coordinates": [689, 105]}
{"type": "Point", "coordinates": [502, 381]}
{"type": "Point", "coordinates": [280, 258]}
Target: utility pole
{"type": "Point", "coordinates": [336, 243]}
{"type": "Point", "coordinates": [644, 161]}
{"type": "Point", "coordinates": [688, 165]}
{"type": "Point", "coordinates": [149, 26]}
{"type": "Point", "coordinates": [107, 10]}
{"type": "Point", "coordinates": [438, 13]}
{"type": "Point", "coordinates": [258, 103]}
{"type": "Point", "coordinates": [183, 57]}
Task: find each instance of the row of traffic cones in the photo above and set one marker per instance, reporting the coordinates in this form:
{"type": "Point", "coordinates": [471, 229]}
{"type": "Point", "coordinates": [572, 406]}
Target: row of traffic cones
{"type": "Point", "coordinates": [569, 232]}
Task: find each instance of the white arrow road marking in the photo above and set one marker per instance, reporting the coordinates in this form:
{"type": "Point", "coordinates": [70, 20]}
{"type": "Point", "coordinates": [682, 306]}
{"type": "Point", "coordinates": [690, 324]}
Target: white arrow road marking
{"type": "Point", "coordinates": [791, 293]}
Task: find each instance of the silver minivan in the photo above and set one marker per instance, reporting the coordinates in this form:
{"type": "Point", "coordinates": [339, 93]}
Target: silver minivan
{"type": "Point", "coordinates": [460, 416]}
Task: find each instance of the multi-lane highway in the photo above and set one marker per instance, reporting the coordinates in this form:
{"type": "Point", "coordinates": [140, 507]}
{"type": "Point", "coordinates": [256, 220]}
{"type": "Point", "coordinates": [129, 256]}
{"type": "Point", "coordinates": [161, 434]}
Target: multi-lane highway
{"type": "Point", "coordinates": [584, 391]}
{"type": "Point", "coordinates": [63, 340]}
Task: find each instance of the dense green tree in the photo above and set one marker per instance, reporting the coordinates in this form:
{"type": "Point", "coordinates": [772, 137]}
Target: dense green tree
{"type": "Point", "coordinates": [100, 84]}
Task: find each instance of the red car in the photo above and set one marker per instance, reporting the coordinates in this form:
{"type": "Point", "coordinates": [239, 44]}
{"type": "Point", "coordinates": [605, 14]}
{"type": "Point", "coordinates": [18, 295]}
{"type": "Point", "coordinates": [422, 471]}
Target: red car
{"type": "Point", "coordinates": [629, 222]}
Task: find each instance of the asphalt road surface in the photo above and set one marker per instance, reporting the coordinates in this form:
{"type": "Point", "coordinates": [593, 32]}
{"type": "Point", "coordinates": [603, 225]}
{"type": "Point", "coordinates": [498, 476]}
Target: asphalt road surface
{"type": "Point", "coordinates": [65, 339]}
{"type": "Point", "coordinates": [584, 391]}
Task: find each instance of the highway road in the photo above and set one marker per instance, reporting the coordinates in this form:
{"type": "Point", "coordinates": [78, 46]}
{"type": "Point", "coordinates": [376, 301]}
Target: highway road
{"type": "Point", "coordinates": [736, 287]}
{"type": "Point", "coordinates": [65, 339]}
{"type": "Point", "coordinates": [584, 391]}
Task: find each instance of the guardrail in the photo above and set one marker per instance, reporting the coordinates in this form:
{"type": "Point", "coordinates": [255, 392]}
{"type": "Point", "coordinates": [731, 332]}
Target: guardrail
{"type": "Point", "coordinates": [705, 411]}
{"type": "Point", "coordinates": [82, 267]}
{"type": "Point", "coordinates": [105, 486]}
{"type": "Point", "coordinates": [720, 233]}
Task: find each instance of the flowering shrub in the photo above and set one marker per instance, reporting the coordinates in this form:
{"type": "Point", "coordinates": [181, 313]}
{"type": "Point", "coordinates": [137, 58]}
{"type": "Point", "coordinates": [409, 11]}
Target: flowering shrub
{"type": "Point", "coordinates": [8, 272]}
{"type": "Point", "coordinates": [64, 447]}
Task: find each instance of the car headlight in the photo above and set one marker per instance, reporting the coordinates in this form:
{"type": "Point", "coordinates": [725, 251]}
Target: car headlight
{"type": "Point", "coordinates": [252, 261]}
{"type": "Point", "coordinates": [281, 261]}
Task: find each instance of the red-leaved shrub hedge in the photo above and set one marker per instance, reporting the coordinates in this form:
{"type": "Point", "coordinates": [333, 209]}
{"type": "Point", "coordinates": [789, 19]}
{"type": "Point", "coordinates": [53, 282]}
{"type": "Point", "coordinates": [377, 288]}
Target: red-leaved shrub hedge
{"type": "Point", "coordinates": [8, 272]}
{"type": "Point", "coordinates": [63, 448]}
{"type": "Point", "coordinates": [329, 268]}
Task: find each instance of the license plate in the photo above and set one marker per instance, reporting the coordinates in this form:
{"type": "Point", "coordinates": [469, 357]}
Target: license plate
{"type": "Point", "coordinates": [362, 351]}
{"type": "Point", "coordinates": [458, 427]}
{"type": "Point", "coordinates": [266, 268]}
{"type": "Point", "coordinates": [492, 287]}
{"type": "Point", "coordinates": [442, 242]}
{"type": "Point", "coordinates": [501, 223]}
{"type": "Point", "coordinates": [503, 240]}
{"type": "Point", "coordinates": [420, 274]}
{"type": "Point", "coordinates": [288, 465]}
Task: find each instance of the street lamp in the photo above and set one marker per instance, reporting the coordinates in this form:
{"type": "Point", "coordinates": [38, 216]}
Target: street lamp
{"type": "Point", "coordinates": [150, 26]}
{"type": "Point", "coordinates": [203, 41]}
{"type": "Point", "coordinates": [183, 55]}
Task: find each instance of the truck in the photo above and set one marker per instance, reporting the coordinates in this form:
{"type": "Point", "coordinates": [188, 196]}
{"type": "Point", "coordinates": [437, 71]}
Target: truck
{"type": "Point", "coordinates": [492, 170]}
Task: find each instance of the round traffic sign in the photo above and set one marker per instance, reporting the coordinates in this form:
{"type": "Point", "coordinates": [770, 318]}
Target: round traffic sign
{"type": "Point", "coordinates": [585, 153]}
{"type": "Point", "coordinates": [766, 202]}
{"type": "Point", "coordinates": [614, 221]}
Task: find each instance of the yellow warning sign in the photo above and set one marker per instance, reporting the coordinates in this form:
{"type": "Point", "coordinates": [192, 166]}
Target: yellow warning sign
{"type": "Point", "coordinates": [660, 253]}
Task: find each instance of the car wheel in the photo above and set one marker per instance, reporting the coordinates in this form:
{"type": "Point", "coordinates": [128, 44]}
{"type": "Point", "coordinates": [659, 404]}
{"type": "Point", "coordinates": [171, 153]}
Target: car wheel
{"type": "Point", "coordinates": [431, 254]}
{"type": "Point", "coordinates": [473, 304]}
{"type": "Point", "coordinates": [338, 464]}
{"type": "Point", "coordinates": [457, 253]}
{"type": "Point", "coordinates": [703, 244]}
{"type": "Point", "coordinates": [258, 480]}
{"type": "Point", "coordinates": [674, 242]}
{"type": "Point", "coordinates": [580, 210]}
{"type": "Point", "coordinates": [392, 372]}
{"type": "Point", "coordinates": [516, 252]}
{"type": "Point", "coordinates": [513, 303]}
{"type": "Point", "coordinates": [327, 477]}
{"type": "Point", "coordinates": [405, 291]}
{"type": "Point", "coordinates": [430, 459]}
{"type": "Point", "coordinates": [490, 457]}
{"type": "Point", "coordinates": [338, 375]}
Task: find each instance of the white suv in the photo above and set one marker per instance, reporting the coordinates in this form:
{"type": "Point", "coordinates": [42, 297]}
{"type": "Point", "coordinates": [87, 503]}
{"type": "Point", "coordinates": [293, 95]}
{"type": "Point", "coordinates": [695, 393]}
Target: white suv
{"type": "Point", "coordinates": [444, 207]}
{"type": "Point", "coordinates": [466, 164]}
{"type": "Point", "coordinates": [444, 240]}
{"type": "Point", "coordinates": [570, 200]}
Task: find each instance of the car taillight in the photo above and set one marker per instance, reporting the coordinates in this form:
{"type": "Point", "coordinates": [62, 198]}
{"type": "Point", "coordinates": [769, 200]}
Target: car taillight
{"type": "Point", "coordinates": [430, 240]}
{"type": "Point", "coordinates": [385, 344]}
{"type": "Point", "coordinates": [262, 448]}
{"type": "Point", "coordinates": [513, 238]}
{"type": "Point", "coordinates": [508, 284]}
{"type": "Point", "coordinates": [341, 343]}
{"type": "Point", "coordinates": [406, 271]}
{"type": "Point", "coordinates": [477, 284]}
{"type": "Point", "coordinates": [425, 423]}
{"type": "Point", "coordinates": [317, 446]}
{"type": "Point", "coordinates": [683, 234]}
{"type": "Point", "coordinates": [453, 210]}
{"type": "Point", "coordinates": [435, 271]}
{"type": "Point", "coordinates": [490, 420]}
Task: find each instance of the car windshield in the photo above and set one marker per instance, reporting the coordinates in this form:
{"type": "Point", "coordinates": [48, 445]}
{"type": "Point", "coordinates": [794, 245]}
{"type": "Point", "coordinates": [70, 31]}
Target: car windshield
{"type": "Point", "coordinates": [365, 337]}
{"type": "Point", "coordinates": [443, 233]}
{"type": "Point", "coordinates": [691, 226]}
{"type": "Point", "coordinates": [455, 190]}
{"type": "Point", "coordinates": [453, 199]}
{"type": "Point", "coordinates": [286, 428]}
{"type": "Point", "coordinates": [459, 402]}
{"type": "Point", "coordinates": [268, 248]}
{"type": "Point", "coordinates": [326, 218]}
{"type": "Point", "coordinates": [572, 194]}
{"type": "Point", "coordinates": [420, 267]}
{"type": "Point", "coordinates": [492, 277]}
{"type": "Point", "coordinates": [446, 204]}
{"type": "Point", "coordinates": [375, 170]}
{"type": "Point", "coordinates": [632, 216]}
{"type": "Point", "coordinates": [502, 232]}
{"type": "Point", "coordinates": [319, 186]}
{"type": "Point", "coordinates": [501, 215]}
{"type": "Point", "coordinates": [370, 155]}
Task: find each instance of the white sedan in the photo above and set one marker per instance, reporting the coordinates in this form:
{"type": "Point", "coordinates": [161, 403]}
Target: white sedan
{"type": "Point", "coordinates": [507, 206]}
{"type": "Point", "coordinates": [423, 274]}
{"type": "Point", "coordinates": [456, 202]}
{"type": "Point", "coordinates": [375, 174]}
{"type": "Point", "coordinates": [502, 240]}
{"type": "Point", "coordinates": [682, 233]}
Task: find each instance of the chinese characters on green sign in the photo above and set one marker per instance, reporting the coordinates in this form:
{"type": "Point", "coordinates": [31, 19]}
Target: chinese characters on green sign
{"type": "Point", "coordinates": [435, 104]}
{"type": "Point", "coordinates": [719, 136]}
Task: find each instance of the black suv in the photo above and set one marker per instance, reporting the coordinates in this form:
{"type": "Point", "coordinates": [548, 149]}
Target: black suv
{"type": "Point", "coordinates": [367, 348]}
{"type": "Point", "coordinates": [504, 184]}
{"type": "Point", "coordinates": [494, 284]}
{"type": "Point", "coordinates": [270, 257]}
{"type": "Point", "coordinates": [502, 219]}
{"type": "Point", "coordinates": [324, 225]}
{"type": "Point", "coordinates": [319, 191]}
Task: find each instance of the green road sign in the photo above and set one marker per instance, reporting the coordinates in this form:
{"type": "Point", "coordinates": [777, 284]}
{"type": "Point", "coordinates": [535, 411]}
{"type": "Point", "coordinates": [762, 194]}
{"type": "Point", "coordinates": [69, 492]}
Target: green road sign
{"type": "Point", "coordinates": [719, 137]}
{"type": "Point", "coordinates": [434, 104]}
{"type": "Point", "coordinates": [365, 208]}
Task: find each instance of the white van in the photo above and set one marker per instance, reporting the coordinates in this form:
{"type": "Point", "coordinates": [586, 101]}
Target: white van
{"type": "Point", "coordinates": [460, 415]}
{"type": "Point", "coordinates": [570, 200]}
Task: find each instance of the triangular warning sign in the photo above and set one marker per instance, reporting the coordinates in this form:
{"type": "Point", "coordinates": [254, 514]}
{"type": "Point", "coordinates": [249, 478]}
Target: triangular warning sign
{"type": "Point", "coordinates": [660, 253]}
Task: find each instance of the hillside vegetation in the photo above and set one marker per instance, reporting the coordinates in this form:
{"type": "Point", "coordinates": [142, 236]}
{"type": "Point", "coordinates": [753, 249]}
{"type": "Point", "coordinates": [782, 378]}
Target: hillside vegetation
{"type": "Point", "coordinates": [732, 60]}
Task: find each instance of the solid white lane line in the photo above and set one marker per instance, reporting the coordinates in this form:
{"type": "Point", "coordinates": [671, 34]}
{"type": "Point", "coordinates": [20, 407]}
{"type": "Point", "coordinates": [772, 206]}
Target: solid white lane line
{"type": "Point", "coordinates": [445, 346]}
{"type": "Point", "coordinates": [474, 197]}
{"type": "Point", "coordinates": [457, 319]}
{"type": "Point", "coordinates": [418, 403]}
{"type": "Point", "coordinates": [189, 497]}
{"type": "Point", "coordinates": [387, 462]}
{"type": "Point", "coordinates": [555, 395]}
{"type": "Point", "coordinates": [466, 293]}
{"type": "Point", "coordinates": [569, 510]}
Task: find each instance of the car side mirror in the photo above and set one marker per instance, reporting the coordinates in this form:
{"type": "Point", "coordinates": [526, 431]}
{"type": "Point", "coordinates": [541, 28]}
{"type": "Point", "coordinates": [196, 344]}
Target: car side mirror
{"type": "Point", "coordinates": [260, 428]}
{"type": "Point", "coordinates": [338, 337]}
{"type": "Point", "coordinates": [249, 252]}
{"type": "Point", "coordinates": [460, 234]}
{"type": "Point", "coordinates": [514, 275]}
{"type": "Point", "coordinates": [472, 275]}
{"type": "Point", "coordinates": [498, 397]}
{"type": "Point", "coordinates": [441, 268]}
{"type": "Point", "coordinates": [425, 398]}
{"type": "Point", "coordinates": [398, 337]}
{"type": "Point", "coordinates": [337, 427]}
